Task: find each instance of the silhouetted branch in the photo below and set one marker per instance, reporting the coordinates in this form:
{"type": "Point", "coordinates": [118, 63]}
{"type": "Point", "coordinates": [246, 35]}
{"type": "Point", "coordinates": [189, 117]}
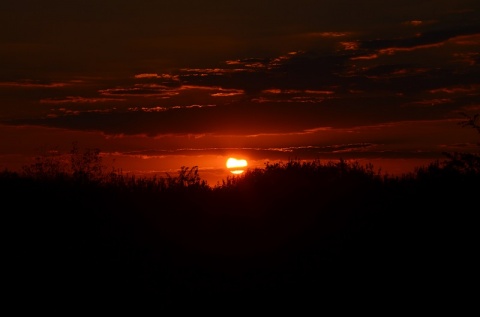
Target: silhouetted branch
{"type": "Point", "coordinates": [472, 121]}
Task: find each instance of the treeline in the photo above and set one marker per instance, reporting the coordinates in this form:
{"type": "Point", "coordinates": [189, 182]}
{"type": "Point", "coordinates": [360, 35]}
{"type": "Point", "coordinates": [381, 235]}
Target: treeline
{"type": "Point", "coordinates": [270, 229]}
{"type": "Point", "coordinates": [288, 227]}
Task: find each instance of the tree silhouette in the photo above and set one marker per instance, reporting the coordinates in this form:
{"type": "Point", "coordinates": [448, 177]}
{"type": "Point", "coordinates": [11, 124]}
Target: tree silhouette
{"type": "Point", "coordinates": [465, 162]}
{"type": "Point", "coordinates": [471, 121]}
{"type": "Point", "coordinates": [86, 165]}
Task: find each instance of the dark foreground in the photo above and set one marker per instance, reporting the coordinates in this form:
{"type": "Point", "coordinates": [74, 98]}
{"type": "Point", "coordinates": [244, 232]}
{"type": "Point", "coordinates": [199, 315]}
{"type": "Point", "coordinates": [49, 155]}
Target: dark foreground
{"type": "Point", "coordinates": [291, 230]}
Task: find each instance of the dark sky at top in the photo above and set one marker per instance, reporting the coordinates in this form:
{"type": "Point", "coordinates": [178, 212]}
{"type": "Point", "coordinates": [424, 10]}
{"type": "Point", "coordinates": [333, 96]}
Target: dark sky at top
{"type": "Point", "coordinates": [371, 73]}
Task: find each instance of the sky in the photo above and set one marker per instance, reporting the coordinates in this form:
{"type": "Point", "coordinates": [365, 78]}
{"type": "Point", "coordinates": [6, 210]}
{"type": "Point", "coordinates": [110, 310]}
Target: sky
{"type": "Point", "coordinates": [157, 85]}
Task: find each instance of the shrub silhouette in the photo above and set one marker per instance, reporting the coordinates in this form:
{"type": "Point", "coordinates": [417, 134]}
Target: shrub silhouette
{"type": "Point", "coordinates": [187, 178]}
{"type": "Point", "coordinates": [465, 163]}
{"type": "Point", "coordinates": [82, 166]}
{"type": "Point", "coordinates": [297, 225]}
{"type": "Point", "coordinates": [48, 166]}
{"type": "Point", "coordinates": [86, 166]}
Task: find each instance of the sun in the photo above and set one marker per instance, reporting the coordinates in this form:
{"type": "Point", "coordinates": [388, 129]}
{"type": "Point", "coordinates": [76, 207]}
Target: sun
{"type": "Point", "coordinates": [235, 165]}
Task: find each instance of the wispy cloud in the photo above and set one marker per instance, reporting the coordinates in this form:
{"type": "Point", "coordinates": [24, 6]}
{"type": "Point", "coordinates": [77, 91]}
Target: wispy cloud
{"type": "Point", "coordinates": [364, 57]}
{"type": "Point", "coordinates": [414, 22]}
{"type": "Point", "coordinates": [457, 89]}
{"type": "Point", "coordinates": [34, 84]}
{"type": "Point", "coordinates": [431, 102]}
{"type": "Point", "coordinates": [330, 34]}
{"type": "Point", "coordinates": [227, 92]}
{"type": "Point", "coordinates": [350, 46]}
{"type": "Point", "coordinates": [146, 90]}
{"type": "Point", "coordinates": [78, 99]}
{"type": "Point", "coordinates": [156, 76]}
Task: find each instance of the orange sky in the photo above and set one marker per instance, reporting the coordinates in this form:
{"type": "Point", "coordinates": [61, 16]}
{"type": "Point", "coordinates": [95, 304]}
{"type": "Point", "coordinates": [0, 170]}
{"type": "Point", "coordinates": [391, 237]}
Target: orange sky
{"type": "Point", "coordinates": [157, 86]}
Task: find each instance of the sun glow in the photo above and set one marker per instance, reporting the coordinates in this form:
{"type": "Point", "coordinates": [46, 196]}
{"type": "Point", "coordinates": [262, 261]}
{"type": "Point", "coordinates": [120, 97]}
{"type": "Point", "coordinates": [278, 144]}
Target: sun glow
{"type": "Point", "coordinates": [235, 166]}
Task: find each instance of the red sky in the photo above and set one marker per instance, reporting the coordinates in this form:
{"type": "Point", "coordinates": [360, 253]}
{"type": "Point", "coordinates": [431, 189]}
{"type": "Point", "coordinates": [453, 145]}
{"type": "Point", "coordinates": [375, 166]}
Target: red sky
{"type": "Point", "coordinates": [157, 85]}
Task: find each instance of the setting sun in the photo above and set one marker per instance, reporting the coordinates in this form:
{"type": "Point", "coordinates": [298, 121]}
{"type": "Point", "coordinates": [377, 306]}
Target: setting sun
{"type": "Point", "coordinates": [235, 166]}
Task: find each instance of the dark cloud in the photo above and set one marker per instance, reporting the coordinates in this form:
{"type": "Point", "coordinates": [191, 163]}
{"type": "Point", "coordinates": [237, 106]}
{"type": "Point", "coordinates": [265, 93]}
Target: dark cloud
{"type": "Point", "coordinates": [422, 39]}
{"type": "Point", "coordinates": [292, 92]}
{"type": "Point", "coordinates": [247, 118]}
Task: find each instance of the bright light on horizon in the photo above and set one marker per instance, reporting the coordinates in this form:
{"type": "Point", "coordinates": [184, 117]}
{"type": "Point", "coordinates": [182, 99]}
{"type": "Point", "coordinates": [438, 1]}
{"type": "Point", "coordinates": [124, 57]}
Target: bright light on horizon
{"type": "Point", "coordinates": [233, 162]}
{"type": "Point", "coordinates": [235, 166]}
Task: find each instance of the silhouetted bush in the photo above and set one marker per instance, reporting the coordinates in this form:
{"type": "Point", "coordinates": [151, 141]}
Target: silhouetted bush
{"type": "Point", "coordinates": [294, 225]}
